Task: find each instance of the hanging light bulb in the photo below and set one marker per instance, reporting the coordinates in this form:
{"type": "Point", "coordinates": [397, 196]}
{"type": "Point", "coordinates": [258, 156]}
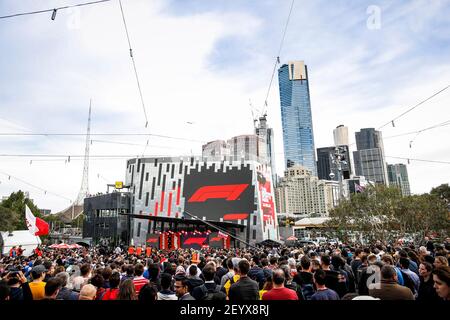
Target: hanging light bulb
{"type": "Point", "coordinates": [54, 14]}
{"type": "Point", "coordinates": [393, 124]}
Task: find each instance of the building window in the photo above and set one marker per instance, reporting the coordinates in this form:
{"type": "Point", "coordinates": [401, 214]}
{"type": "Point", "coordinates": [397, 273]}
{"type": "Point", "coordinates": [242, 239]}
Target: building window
{"type": "Point", "coordinates": [254, 220]}
{"type": "Point", "coordinates": [146, 198]}
{"type": "Point", "coordinates": [146, 176]}
{"type": "Point", "coordinates": [139, 230]}
{"type": "Point", "coordinates": [254, 234]}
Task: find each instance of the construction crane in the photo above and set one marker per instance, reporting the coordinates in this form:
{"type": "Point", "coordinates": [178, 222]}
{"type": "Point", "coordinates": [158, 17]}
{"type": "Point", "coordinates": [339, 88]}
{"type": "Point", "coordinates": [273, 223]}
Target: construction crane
{"type": "Point", "coordinates": [252, 109]}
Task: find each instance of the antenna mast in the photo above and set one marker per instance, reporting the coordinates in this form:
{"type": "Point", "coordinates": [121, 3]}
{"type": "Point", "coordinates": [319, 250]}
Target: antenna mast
{"type": "Point", "coordinates": [84, 190]}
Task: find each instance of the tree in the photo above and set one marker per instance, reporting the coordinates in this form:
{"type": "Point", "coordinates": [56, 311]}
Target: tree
{"type": "Point", "coordinates": [382, 213]}
{"type": "Point", "coordinates": [8, 219]}
{"type": "Point", "coordinates": [442, 192]}
{"type": "Point", "coordinates": [12, 212]}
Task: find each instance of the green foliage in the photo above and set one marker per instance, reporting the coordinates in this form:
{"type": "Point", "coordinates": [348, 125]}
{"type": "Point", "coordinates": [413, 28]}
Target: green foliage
{"type": "Point", "coordinates": [12, 212]}
{"type": "Point", "coordinates": [381, 213]}
{"type": "Point", "coordinates": [442, 192]}
{"type": "Point", "coordinates": [8, 219]}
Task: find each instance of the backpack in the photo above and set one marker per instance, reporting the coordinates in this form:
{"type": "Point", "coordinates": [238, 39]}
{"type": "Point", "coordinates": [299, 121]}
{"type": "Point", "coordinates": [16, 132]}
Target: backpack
{"type": "Point", "coordinates": [408, 282]}
{"type": "Point", "coordinates": [212, 294]}
{"type": "Point", "coordinates": [298, 290]}
{"type": "Point", "coordinates": [308, 291]}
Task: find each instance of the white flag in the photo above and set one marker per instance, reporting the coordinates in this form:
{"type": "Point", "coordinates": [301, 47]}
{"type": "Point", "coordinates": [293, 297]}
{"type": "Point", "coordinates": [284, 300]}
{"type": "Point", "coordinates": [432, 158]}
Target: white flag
{"type": "Point", "coordinates": [31, 221]}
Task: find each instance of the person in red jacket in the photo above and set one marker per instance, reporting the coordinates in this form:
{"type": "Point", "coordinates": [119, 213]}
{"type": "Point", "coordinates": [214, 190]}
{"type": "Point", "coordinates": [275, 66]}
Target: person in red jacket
{"type": "Point", "coordinates": [112, 292]}
{"type": "Point", "coordinates": [138, 250]}
{"type": "Point", "coordinates": [131, 250]}
{"type": "Point", "coordinates": [13, 252]}
{"type": "Point", "coordinates": [279, 292]}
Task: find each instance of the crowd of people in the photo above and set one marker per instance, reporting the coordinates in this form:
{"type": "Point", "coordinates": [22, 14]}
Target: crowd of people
{"type": "Point", "coordinates": [380, 271]}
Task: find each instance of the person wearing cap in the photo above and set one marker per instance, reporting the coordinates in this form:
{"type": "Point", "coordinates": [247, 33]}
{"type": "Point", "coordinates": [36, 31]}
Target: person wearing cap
{"type": "Point", "coordinates": [37, 286]}
{"type": "Point", "coordinates": [180, 271]}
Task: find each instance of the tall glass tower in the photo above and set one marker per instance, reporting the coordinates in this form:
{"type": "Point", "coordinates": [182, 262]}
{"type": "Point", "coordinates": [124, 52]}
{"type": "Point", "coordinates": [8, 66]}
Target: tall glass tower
{"type": "Point", "coordinates": [296, 118]}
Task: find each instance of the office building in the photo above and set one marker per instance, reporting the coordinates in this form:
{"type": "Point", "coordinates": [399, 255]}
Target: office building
{"type": "Point", "coordinates": [301, 193]}
{"type": "Point", "coordinates": [217, 148]}
{"type": "Point", "coordinates": [340, 135]}
{"type": "Point", "coordinates": [398, 176]}
{"type": "Point", "coordinates": [296, 116]}
{"type": "Point", "coordinates": [369, 157]}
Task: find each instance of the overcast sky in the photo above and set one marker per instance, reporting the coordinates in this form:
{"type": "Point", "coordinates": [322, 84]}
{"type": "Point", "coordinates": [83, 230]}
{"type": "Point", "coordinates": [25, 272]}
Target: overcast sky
{"type": "Point", "coordinates": [201, 62]}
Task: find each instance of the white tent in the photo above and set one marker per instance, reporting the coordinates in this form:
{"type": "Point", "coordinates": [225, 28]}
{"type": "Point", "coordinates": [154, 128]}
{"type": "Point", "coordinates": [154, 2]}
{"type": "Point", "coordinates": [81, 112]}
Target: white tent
{"type": "Point", "coordinates": [17, 238]}
{"type": "Point", "coordinates": [316, 222]}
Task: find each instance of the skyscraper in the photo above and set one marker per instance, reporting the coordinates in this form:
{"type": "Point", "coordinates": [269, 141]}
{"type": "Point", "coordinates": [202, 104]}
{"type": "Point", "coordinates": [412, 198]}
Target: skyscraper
{"type": "Point", "coordinates": [296, 117]}
{"type": "Point", "coordinates": [398, 176]}
{"type": "Point", "coordinates": [340, 136]}
{"type": "Point", "coordinates": [247, 147]}
{"type": "Point", "coordinates": [267, 138]}
{"type": "Point", "coordinates": [369, 157]}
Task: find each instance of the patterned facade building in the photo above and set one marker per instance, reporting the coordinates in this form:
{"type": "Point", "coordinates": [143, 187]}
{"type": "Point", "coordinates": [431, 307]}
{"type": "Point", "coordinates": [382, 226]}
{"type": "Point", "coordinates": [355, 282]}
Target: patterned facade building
{"type": "Point", "coordinates": [176, 189]}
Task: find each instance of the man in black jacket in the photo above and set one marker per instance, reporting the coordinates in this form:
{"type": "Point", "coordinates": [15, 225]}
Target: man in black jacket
{"type": "Point", "coordinates": [256, 272]}
{"type": "Point", "coordinates": [209, 290]}
{"type": "Point", "coordinates": [193, 280]}
{"type": "Point", "coordinates": [245, 288]}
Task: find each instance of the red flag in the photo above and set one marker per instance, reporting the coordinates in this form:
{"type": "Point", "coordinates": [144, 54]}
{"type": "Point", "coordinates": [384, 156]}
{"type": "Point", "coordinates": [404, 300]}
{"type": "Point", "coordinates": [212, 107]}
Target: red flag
{"type": "Point", "coordinates": [36, 226]}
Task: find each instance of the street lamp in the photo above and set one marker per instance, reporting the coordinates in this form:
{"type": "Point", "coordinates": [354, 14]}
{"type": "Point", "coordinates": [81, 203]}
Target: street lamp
{"type": "Point", "coordinates": [339, 158]}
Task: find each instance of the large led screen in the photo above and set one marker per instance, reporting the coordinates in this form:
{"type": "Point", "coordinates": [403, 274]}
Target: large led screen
{"type": "Point", "coordinates": [219, 195]}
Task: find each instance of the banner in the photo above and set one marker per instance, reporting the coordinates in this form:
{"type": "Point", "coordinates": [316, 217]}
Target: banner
{"type": "Point", "coordinates": [265, 192]}
{"type": "Point", "coordinates": [194, 241]}
{"type": "Point", "coordinates": [153, 240]}
{"type": "Point", "coordinates": [216, 240]}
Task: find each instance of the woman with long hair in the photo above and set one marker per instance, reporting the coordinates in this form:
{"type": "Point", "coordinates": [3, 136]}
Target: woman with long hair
{"type": "Point", "coordinates": [126, 290]}
{"type": "Point", "coordinates": [441, 278]}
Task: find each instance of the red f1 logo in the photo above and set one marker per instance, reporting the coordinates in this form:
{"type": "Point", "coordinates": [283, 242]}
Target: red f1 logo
{"type": "Point", "coordinates": [154, 240]}
{"type": "Point", "coordinates": [194, 240]}
{"type": "Point", "coordinates": [215, 239]}
{"type": "Point", "coordinates": [228, 192]}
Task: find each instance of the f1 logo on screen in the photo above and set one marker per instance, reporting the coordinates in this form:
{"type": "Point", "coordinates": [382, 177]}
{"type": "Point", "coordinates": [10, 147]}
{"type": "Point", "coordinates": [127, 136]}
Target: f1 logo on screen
{"type": "Point", "coordinates": [229, 192]}
{"type": "Point", "coordinates": [217, 195]}
{"type": "Point", "coordinates": [194, 240]}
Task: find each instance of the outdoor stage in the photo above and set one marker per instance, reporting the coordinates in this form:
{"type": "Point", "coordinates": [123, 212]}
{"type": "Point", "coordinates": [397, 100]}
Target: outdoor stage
{"type": "Point", "coordinates": [172, 233]}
